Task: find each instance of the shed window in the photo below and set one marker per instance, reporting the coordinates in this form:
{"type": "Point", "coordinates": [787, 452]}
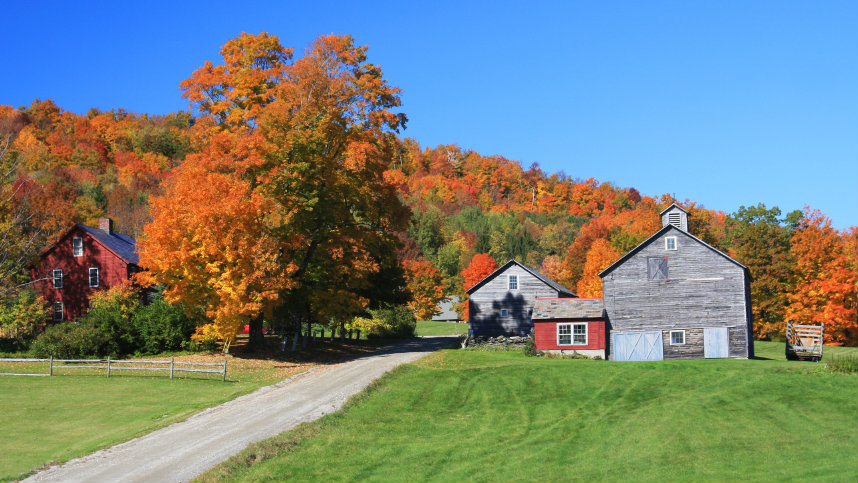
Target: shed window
{"type": "Point", "coordinates": [58, 278]}
{"type": "Point", "coordinates": [77, 246]}
{"type": "Point", "coordinates": [571, 334]}
{"type": "Point", "coordinates": [670, 243]}
{"type": "Point", "coordinates": [677, 337]}
{"type": "Point", "coordinates": [513, 282]}
{"type": "Point", "coordinates": [656, 268]}
{"type": "Point", "coordinates": [504, 313]}
{"type": "Point", "coordinates": [58, 311]}
{"type": "Point", "coordinates": [93, 277]}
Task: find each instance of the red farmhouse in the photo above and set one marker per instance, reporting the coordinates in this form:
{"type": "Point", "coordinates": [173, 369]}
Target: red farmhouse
{"type": "Point", "coordinates": [563, 325]}
{"type": "Point", "coordinates": [83, 261]}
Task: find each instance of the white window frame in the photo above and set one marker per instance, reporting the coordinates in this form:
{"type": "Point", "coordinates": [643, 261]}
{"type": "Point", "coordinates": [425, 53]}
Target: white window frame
{"type": "Point", "coordinates": [77, 246]}
{"type": "Point", "coordinates": [504, 313]}
{"type": "Point", "coordinates": [58, 311]}
{"type": "Point", "coordinates": [97, 277]}
{"type": "Point", "coordinates": [568, 330]}
{"type": "Point", "coordinates": [512, 282]}
{"type": "Point", "coordinates": [667, 241]}
{"type": "Point", "coordinates": [677, 332]}
{"type": "Point", "coordinates": [57, 274]}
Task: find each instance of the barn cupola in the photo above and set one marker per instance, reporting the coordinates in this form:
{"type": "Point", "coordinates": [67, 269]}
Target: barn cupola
{"type": "Point", "coordinates": [675, 215]}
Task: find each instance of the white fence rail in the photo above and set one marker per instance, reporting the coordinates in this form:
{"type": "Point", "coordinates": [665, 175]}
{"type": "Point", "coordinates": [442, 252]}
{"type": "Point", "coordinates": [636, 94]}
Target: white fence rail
{"type": "Point", "coordinates": [172, 366]}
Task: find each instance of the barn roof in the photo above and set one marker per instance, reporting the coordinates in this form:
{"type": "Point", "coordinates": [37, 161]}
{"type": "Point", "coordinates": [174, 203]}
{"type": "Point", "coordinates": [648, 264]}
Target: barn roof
{"type": "Point", "coordinates": [657, 234]}
{"type": "Point", "coordinates": [545, 308]}
{"type": "Point", "coordinates": [671, 206]}
{"type": "Point", "coordinates": [551, 283]}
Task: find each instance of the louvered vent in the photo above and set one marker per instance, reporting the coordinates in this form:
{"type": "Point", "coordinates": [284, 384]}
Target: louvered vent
{"type": "Point", "coordinates": [675, 219]}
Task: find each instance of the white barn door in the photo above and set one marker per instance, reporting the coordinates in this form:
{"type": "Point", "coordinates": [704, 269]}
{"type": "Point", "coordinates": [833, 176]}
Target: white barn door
{"type": "Point", "coordinates": [716, 341]}
{"type": "Point", "coordinates": [638, 346]}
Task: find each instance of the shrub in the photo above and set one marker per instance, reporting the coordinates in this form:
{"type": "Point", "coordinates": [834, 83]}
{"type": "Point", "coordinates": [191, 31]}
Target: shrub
{"type": "Point", "coordinates": [71, 341]}
{"type": "Point", "coordinates": [846, 363]}
{"type": "Point", "coordinates": [397, 322]}
{"type": "Point", "coordinates": [161, 327]}
{"type": "Point", "coordinates": [530, 346]}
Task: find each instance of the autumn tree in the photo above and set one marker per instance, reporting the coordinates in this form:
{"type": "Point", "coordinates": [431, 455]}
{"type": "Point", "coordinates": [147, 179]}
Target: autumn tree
{"type": "Point", "coordinates": [825, 288]}
{"type": "Point", "coordinates": [481, 266]}
{"type": "Point", "coordinates": [600, 256]}
{"type": "Point", "coordinates": [426, 284]}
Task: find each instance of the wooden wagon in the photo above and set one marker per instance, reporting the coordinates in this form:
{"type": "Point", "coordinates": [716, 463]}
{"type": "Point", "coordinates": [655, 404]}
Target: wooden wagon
{"type": "Point", "coordinates": [804, 341]}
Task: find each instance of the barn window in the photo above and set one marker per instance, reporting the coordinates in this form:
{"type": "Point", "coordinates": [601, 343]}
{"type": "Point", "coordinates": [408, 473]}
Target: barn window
{"type": "Point", "coordinates": [677, 337]}
{"type": "Point", "coordinates": [670, 243]}
{"type": "Point", "coordinates": [571, 334]}
{"type": "Point", "coordinates": [656, 268]}
{"type": "Point", "coordinates": [77, 246]}
{"type": "Point", "coordinates": [93, 277]}
{"type": "Point", "coordinates": [504, 313]}
{"type": "Point", "coordinates": [58, 278]}
{"type": "Point", "coordinates": [513, 282]}
{"type": "Point", "coordinates": [58, 311]}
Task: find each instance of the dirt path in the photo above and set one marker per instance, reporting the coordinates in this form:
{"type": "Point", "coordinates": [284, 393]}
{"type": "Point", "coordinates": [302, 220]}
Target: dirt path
{"type": "Point", "coordinates": [184, 450]}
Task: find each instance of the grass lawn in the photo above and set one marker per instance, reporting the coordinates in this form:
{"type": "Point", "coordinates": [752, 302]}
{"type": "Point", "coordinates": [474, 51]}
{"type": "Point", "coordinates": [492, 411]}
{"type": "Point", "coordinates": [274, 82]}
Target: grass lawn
{"type": "Point", "coordinates": [428, 327]}
{"type": "Point", "coordinates": [47, 419]}
{"type": "Point", "coordinates": [467, 415]}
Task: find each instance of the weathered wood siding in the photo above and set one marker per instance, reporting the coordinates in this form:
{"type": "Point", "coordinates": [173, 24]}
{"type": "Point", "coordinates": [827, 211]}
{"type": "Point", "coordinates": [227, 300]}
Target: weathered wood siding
{"type": "Point", "coordinates": [703, 289]}
{"type": "Point", "coordinates": [485, 304]}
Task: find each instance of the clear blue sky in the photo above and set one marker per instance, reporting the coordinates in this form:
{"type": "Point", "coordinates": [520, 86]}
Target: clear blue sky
{"type": "Point", "coordinates": [726, 103]}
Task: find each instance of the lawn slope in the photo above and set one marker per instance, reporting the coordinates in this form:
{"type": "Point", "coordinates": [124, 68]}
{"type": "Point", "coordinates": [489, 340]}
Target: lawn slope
{"type": "Point", "coordinates": [499, 416]}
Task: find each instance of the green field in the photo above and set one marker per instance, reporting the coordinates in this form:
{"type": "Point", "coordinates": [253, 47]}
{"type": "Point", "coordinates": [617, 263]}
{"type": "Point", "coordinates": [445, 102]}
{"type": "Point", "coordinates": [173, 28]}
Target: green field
{"type": "Point", "coordinates": [463, 415]}
{"type": "Point", "coordinates": [47, 419]}
{"type": "Point", "coordinates": [428, 327]}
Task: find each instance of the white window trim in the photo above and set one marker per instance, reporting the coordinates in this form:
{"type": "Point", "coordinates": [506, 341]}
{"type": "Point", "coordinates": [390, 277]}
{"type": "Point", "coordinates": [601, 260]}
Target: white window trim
{"type": "Point", "coordinates": [509, 279]}
{"type": "Point", "coordinates": [667, 243]}
{"type": "Point", "coordinates": [57, 271]}
{"type": "Point", "coordinates": [504, 313]}
{"type": "Point", "coordinates": [680, 332]}
{"type": "Point", "coordinates": [571, 326]}
{"type": "Point", "coordinates": [57, 305]}
{"type": "Point", "coordinates": [74, 248]}
{"type": "Point", "coordinates": [97, 277]}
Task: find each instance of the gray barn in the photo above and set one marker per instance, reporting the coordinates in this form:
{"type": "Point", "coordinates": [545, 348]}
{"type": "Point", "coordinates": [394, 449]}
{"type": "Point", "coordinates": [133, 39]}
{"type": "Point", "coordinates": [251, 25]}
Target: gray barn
{"type": "Point", "coordinates": [502, 303]}
{"type": "Point", "coordinates": [676, 297]}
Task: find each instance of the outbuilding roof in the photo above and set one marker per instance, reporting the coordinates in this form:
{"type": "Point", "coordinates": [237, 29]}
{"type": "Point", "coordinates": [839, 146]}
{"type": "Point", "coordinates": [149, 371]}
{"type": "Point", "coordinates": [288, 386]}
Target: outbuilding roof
{"type": "Point", "coordinates": [551, 283]}
{"type": "Point", "coordinates": [545, 309]}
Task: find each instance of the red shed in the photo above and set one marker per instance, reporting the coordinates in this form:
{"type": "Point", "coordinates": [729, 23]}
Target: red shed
{"type": "Point", "coordinates": [81, 262]}
{"type": "Point", "coordinates": [569, 324]}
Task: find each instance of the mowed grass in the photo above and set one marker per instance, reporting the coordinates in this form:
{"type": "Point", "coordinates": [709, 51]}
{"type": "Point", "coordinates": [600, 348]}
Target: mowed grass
{"type": "Point", "coordinates": [462, 415]}
{"type": "Point", "coordinates": [54, 419]}
{"type": "Point", "coordinates": [428, 327]}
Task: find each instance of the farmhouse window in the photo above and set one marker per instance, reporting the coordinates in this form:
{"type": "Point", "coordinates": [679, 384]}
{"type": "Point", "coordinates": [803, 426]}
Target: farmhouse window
{"type": "Point", "coordinates": [93, 277]}
{"type": "Point", "coordinates": [571, 334]}
{"type": "Point", "coordinates": [77, 246]}
{"type": "Point", "coordinates": [504, 313]}
{"type": "Point", "coordinates": [58, 278]}
{"type": "Point", "coordinates": [677, 337]}
{"type": "Point", "coordinates": [513, 282]}
{"type": "Point", "coordinates": [656, 268]}
{"type": "Point", "coordinates": [58, 311]}
{"type": "Point", "coordinates": [670, 243]}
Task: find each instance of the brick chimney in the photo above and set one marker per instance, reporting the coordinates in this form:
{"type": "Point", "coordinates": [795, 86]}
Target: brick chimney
{"type": "Point", "coordinates": [106, 225]}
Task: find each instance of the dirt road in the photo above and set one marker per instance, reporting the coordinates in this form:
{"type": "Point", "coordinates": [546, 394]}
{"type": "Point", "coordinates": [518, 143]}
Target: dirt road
{"type": "Point", "coordinates": [184, 450]}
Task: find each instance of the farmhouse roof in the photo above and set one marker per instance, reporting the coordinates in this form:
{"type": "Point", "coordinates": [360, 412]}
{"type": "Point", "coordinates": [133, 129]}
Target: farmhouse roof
{"type": "Point", "coordinates": [551, 308]}
{"type": "Point", "coordinates": [551, 283]}
{"type": "Point", "coordinates": [120, 244]}
{"type": "Point", "coordinates": [657, 234]}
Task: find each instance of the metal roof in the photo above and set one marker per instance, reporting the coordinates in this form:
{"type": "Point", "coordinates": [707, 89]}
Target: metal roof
{"type": "Point", "coordinates": [119, 243]}
{"type": "Point", "coordinates": [671, 206]}
{"type": "Point", "coordinates": [544, 309]}
{"type": "Point", "coordinates": [551, 283]}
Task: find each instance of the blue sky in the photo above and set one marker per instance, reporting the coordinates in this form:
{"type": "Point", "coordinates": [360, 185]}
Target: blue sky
{"type": "Point", "coordinates": [725, 103]}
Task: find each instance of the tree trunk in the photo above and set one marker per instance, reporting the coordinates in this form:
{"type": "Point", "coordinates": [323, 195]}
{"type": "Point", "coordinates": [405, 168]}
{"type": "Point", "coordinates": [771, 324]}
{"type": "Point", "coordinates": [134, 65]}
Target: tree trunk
{"type": "Point", "coordinates": [256, 339]}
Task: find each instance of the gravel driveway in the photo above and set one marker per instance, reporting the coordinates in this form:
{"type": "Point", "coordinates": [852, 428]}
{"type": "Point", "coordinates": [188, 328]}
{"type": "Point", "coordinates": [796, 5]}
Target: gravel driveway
{"type": "Point", "coordinates": [184, 450]}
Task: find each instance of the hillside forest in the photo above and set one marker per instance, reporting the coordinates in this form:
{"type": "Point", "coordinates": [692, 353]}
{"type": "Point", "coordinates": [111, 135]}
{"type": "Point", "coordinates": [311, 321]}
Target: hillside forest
{"type": "Point", "coordinates": [291, 195]}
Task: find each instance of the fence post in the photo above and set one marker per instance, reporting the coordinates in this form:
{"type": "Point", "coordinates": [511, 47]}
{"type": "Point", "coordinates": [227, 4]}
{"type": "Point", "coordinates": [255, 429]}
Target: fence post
{"type": "Point", "coordinates": [51, 372]}
{"type": "Point", "coordinates": [108, 366]}
{"type": "Point", "coordinates": [171, 368]}
{"type": "Point", "coordinates": [224, 369]}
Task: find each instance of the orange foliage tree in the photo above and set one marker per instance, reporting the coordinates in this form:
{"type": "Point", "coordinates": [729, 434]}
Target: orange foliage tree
{"type": "Point", "coordinates": [600, 256]}
{"type": "Point", "coordinates": [825, 290]}
{"type": "Point", "coordinates": [426, 284]}
{"type": "Point", "coordinates": [481, 266]}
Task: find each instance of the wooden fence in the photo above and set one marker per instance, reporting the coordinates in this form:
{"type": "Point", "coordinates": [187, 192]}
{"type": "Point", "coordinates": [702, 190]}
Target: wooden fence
{"type": "Point", "coordinates": [172, 366]}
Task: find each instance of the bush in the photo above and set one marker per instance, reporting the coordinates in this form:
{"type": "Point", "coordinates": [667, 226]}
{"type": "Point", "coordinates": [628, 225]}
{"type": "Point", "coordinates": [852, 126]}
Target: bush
{"type": "Point", "coordinates": [71, 341]}
{"type": "Point", "coordinates": [397, 322]}
{"type": "Point", "coordinates": [161, 327]}
{"type": "Point", "coordinates": [847, 363]}
{"type": "Point", "coordinates": [530, 346]}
